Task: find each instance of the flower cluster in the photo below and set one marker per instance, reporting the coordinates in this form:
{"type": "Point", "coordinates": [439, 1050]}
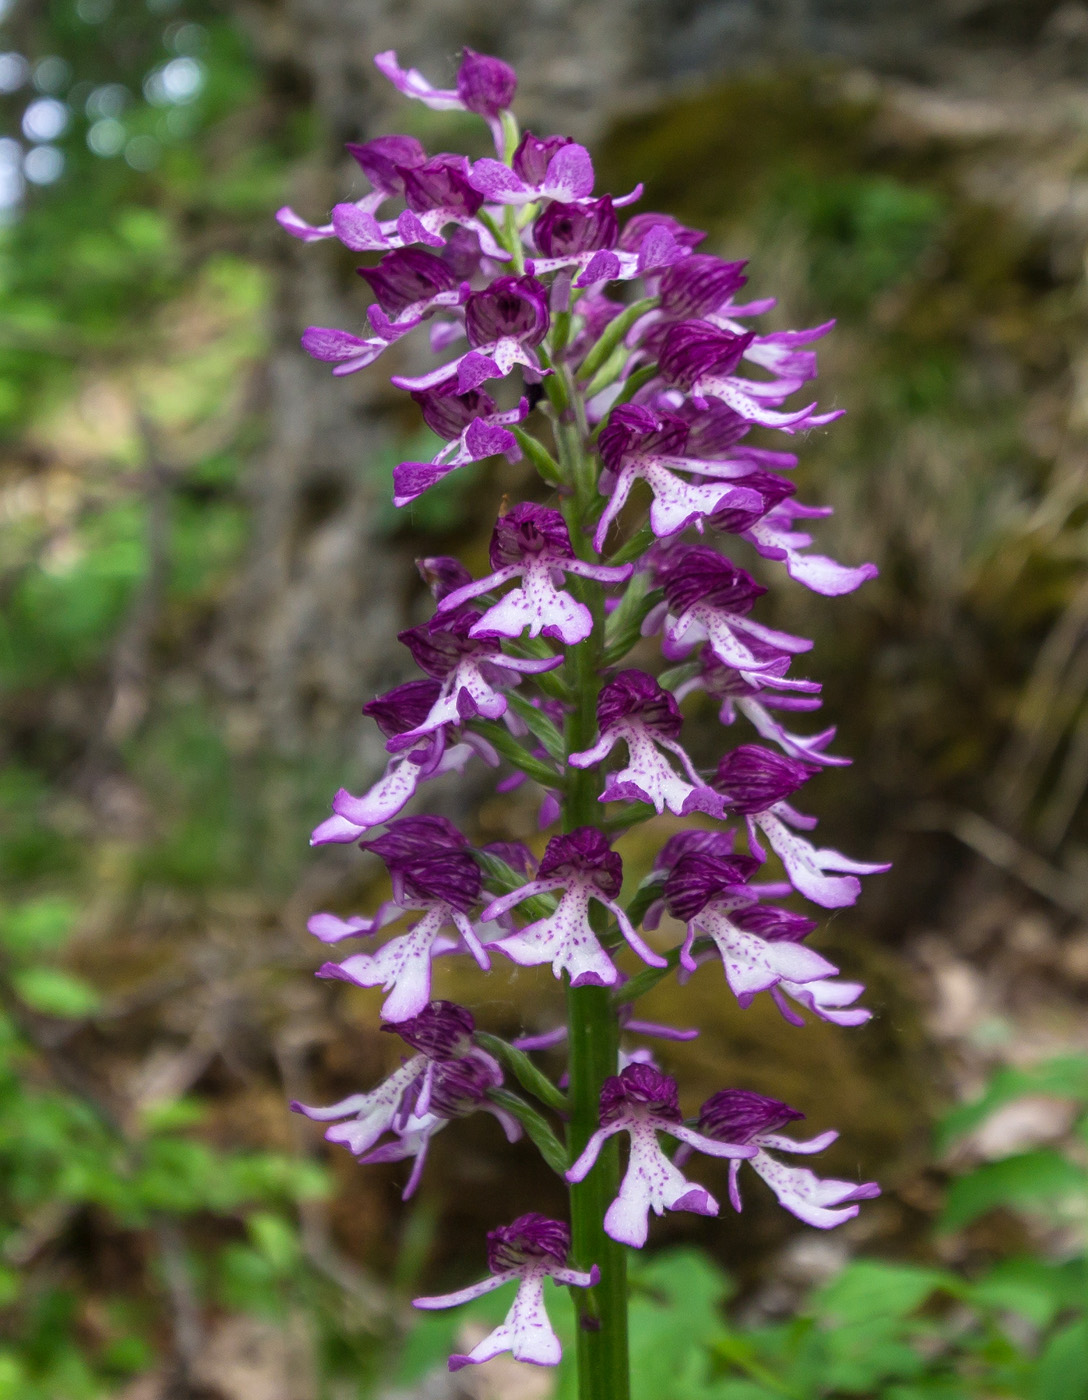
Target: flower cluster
{"type": "Point", "coordinates": [607, 353]}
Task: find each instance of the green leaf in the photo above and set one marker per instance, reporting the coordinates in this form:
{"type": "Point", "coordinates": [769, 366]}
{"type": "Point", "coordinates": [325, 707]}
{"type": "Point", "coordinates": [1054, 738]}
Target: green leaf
{"type": "Point", "coordinates": [524, 1071]}
{"type": "Point", "coordinates": [539, 455]}
{"type": "Point", "coordinates": [37, 926]}
{"type": "Point", "coordinates": [612, 335]}
{"type": "Point", "coordinates": [1026, 1179]}
{"type": "Point", "coordinates": [506, 879]}
{"type": "Point", "coordinates": [1063, 1367]}
{"type": "Point", "coordinates": [867, 1289]}
{"type": "Point", "coordinates": [55, 993]}
{"type": "Point", "coordinates": [609, 372]}
{"type": "Point", "coordinates": [1063, 1077]}
{"type": "Point", "coordinates": [635, 547]}
{"type": "Point", "coordinates": [650, 889]}
{"type": "Point", "coordinates": [645, 981]}
{"type": "Point", "coordinates": [539, 725]}
{"type": "Point", "coordinates": [624, 627]}
{"type": "Point", "coordinates": [1031, 1288]}
{"type": "Point", "coordinates": [500, 737]}
{"type": "Point", "coordinates": [536, 1126]}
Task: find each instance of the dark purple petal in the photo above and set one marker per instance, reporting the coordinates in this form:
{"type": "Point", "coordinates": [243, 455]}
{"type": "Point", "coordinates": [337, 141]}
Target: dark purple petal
{"type": "Point", "coordinates": [634, 430]}
{"type": "Point", "coordinates": [516, 855]}
{"type": "Point", "coordinates": [584, 851]}
{"type": "Point", "coordinates": [407, 275]}
{"type": "Point", "coordinates": [695, 348]}
{"type": "Point", "coordinates": [636, 229]}
{"type": "Point", "coordinates": [442, 575]}
{"type": "Point", "coordinates": [450, 876]}
{"type": "Point", "coordinates": [635, 695]}
{"type": "Point", "coordinates": [461, 1086]}
{"type": "Point", "coordinates": [462, 252]}
{"type": "Point", "coordinates": [699, 284]}
{"type": "Point", "coordinates": [753, 778]}
{"type": "Point", "coordinates": [411, 479]}
{"type": "Point", "coordinates": [412, 837]}
{"type": "Point", "coordinates": [718, 844]}
{"type": "Point", "coordinates": [442, 1031]}
{"type": "Point", "coordinates": [528, 530]}
{"type": "Point", "coordinates": [485, 85]}
{"type": "Point", "coordinates": [404, 707]}
{"type": "Point", "coordinates": [738, 1115]}
{"type": "Point", "coordinates": [640, 1085]}
{"type": "Point", "coordinates": [383, 158]}
{"type": "Point", "coordinates": [566, 229]}
{"type": "Point", "coordinates": [774, 924]}
{"type": "Point", "coordinates": [437, 646]}
{"type": "Point", "coordinates": [510, 306]}
{"type": "Point", "coordinates": [772, 488]}
{"type": "Point", "coordinates": [448, 413]}
{"type": "Point", "coordinates": [325, 343]}
{"type": "Point", "coordinates": [533, 154]}
{"type": "Point", "coordinates": [698, 574]}
{"type": "Point", "coordinates": [441, 183]}
{"type": "Point", "coordinates": [528, 1240]}
{"type": "Point", "coordinates": [488, 440]}
{"type": "Point", "coordinates": [713, 430]}
{"type": "Point", "coordinates": [697, 879]}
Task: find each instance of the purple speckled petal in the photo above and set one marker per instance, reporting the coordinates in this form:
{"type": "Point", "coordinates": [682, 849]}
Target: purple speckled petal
{"type": "Point", "coordinates": [297, 227]}
{"type": "Point", "coordinates": [652, 1182]}
{"type": "Point", "coordinates": [401, 967]}
{"type": "Point", "coordinates": [412, 83]}
{"type": "Point", "coordinates": [823, 1203]}
{"type": "Point", "coordinates": [808, 868]}
{"type": "Point", "coordinates": [330, 928]}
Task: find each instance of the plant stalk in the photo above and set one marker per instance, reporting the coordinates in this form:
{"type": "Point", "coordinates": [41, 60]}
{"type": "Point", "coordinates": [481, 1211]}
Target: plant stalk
{"type": "Point", "coordinates": [603, 1367]}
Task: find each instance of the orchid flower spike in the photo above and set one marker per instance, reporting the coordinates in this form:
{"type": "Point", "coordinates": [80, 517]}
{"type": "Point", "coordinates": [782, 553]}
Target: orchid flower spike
{"type": "Point", "coordinates": [737, 1115]}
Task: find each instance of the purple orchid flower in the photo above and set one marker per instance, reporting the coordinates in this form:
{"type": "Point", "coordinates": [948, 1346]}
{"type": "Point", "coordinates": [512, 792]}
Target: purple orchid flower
{"type": "Point", "coordinates": [634, 709]}
{"type": "Point", "coordinates": [709, 599]}
{"type": "Point", "coordinates": [382, 161]}
{"type": "Point", "coordinates": [459, 1089]}
{"type": "Point", "coordinates": [701, 360]}
{"type": "Point", "coordinates": [643, 1102]}
{"type": "Point", "coordinates": [532, 544]}
{"type": "Point", "coordinates": [442, 1035]}
{"type": "Point", "coordinates": [433, 871]}
{"type": "Point", "coordinates": [637, 442]}
{"type": "Point", "coordinates": [410, 284]}
{"type": "Point", "coordinates": [401, 709]}
{"type": "Point", "coordinates": [746, 695]}
{"type": "Point", "coordinates": [552, 167]}
{"type": "Point", "coordinates": [583, 867]}
{"type": "Point", "coordinates": [710, 895]}
{"type": "Point", "coordinates": [827, 997]}
{"type": "Point", "coordinates": [503, 323]}
{"type": "Point", "coordinates": [774, 538]}
{"type": "Point", "coordinates": [485, 85]}
{"type": "Point", "coordinates": [737, 1115]}
{"type": "Point", "coordinates": [529, 1250]}
{"type": "Point", "coordinates": [474, 430]}
{"type": "Point", "coordinates": [469, 668]}
{"type": "Point", "coordinates": [703, 288]}
{"type": "Point", "coordinates": [756, 782]}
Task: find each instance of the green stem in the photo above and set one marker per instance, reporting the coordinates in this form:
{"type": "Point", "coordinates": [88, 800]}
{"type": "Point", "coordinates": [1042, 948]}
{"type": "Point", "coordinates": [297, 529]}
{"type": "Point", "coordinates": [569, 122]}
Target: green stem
{"type": "Point", "coordinates": [603, 1368]}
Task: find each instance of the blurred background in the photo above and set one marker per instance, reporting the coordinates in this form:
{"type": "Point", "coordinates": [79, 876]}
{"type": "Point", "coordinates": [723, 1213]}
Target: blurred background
{"type": "Point", "coordinates": [201, 579]}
